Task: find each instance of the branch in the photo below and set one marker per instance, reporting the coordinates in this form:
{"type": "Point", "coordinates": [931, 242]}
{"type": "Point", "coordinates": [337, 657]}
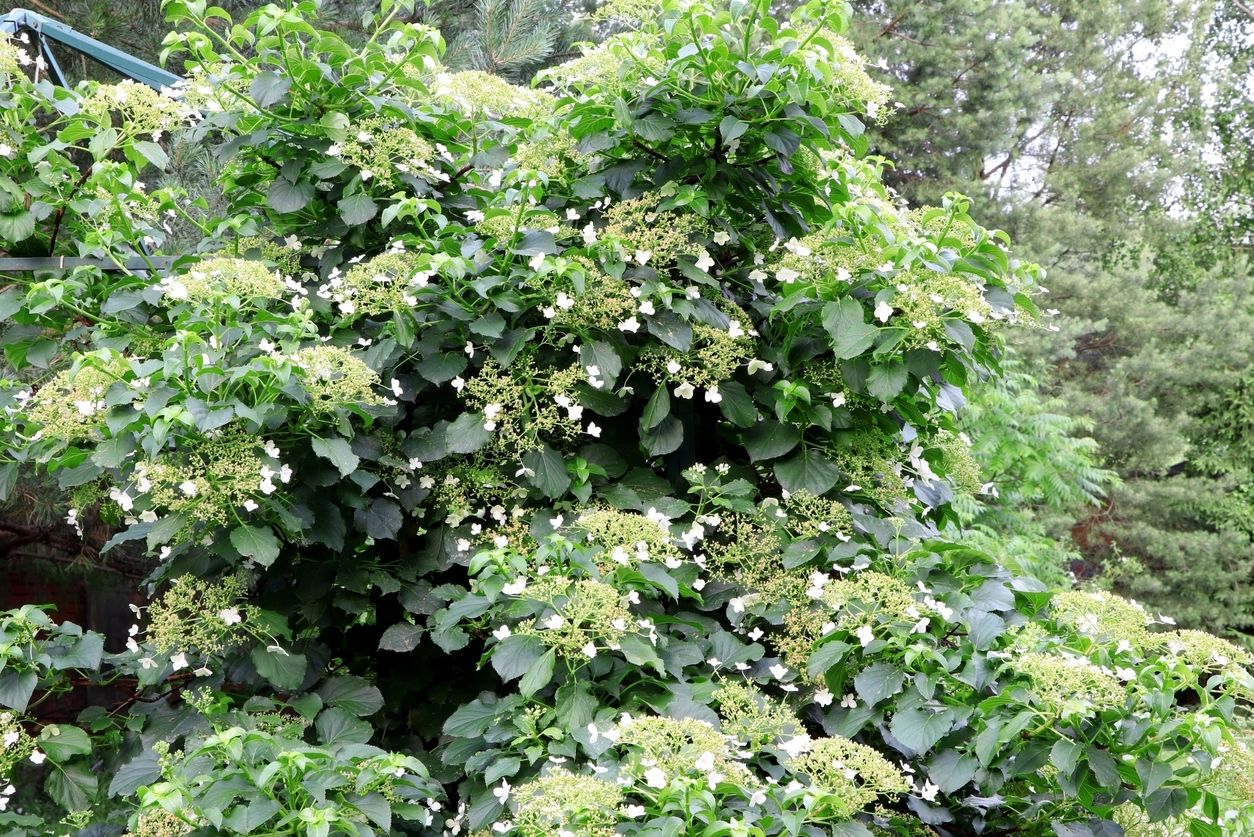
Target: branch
{"type": "Point", "coordinates": [893, 24]}
{"type": "Point", "coordinates": [652, 152]}
{"type": "Point", "coordinates": [1249, 10]}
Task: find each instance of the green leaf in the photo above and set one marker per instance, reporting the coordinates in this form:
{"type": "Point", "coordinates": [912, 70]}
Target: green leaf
{"type": "Point", "coordinates": [246, 818]}
{"type": "Point", "coordinates": [11, 301]}
{"type": "Point", "coordinates": [283, 669]}
{"type": "Point", "coordinates": [547, 471]}
{"type": "Point", "coordinates": [401, 637]}
{"type": "Point", "coordinates": [85, 653]}
{"type": "Point", "coordinates": [339, 452]}
{"type": "Point", "coordinates": [515, 654]}
{"type": "Point", "coordinates": [986, 743]}
{"type": "Point", "coordinates": [339, 726]}
{"type": "Point", "coordinates": [732, 128]}
{"type": "Point", "coordinates": [16, 687]}
{"type": "Point", "coordinates": [886, 380]}
{"type": "Point", "coordinates": [352, 693]}
{"type": "Point", "coordinates": [654, 127]}
{"type": "Point", "coordinates": [671, 330]}
{"type": "Point", "coordinates": [442, 368]}
{"type": "Point", "coordinates": [658, 408]}
{"type": "Point", "coordinates": [737, 405]}
{"type": "Point", "coordinates": [919, 729]}
{"type": "Point", "coordinates": [502, 768]}
{"type": "Point", "coordinates": [808, 470]}
{"type": "Point", "coordinates": [769, 439]}
{"type": "Point", "coordinates": [17, 226]}
{"type": "Point", "coordinates": [845, 322]}
{"type": "Point", "coordinates": [8, 479]}
{"type": "Point", "coordinates": [473, 719]}
{"type": "Point", "coordinates": [152, 152]}
{"type": "Point", "coordinates": [490, 325]}
{"type": "Point", "coordinates": [381, 520]}
{"type": "Point", "coordinates": [640, 652]}
{"type": "Point", "coordinates": [269, 88]}
{"type": "Point", "coordinates": [468, 433]}
{"type": "Point", "coordinates": [576, 705]}
{"type": "Point", "coordinates": [604, 358]}
{"type": "Point", "coordinates": [284, 196]}
{"type": "Point", "coordinates": [357, 209]}
{"type": "Point", "coordinates": [878, 682]}
{"type": "Point", "coordinates": [1201, 828]}
{"type": "Point", "coordinates": [166, 528]}
{"type": "Point", "coordinates": [1152, 774]}
{"type": "Point", "coordinates": [827, 655]}
{"type": "Point", "coordinates": [1065, 754]}
{"type": "Point", "coordinates": [665, 438]}
{"type": "Point", "coordinates": [142, 770]}
{"type": "Point", "coordinates": [853, 828]}
{"type": "Point", "coordinates": [1103, 766]}
{"type": "Point", "coordinates": [73, 786]}
{"type": "Point", "coordinates": [1166, 803]}
{"type": "Point", "coordinates": [257, 543]}
{"type": "Point", "coordinates": [62, 742]}
{"type": "Point", "coordinates": [950, 770]}
{"type": "Point", "coordinates": [538, 674]}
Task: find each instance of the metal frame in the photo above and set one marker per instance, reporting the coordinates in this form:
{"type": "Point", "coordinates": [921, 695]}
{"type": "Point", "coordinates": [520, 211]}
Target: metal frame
{"type": "Point", "coordinates": [46, 29]}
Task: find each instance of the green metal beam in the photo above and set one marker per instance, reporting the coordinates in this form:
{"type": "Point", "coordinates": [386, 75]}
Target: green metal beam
{"type": "Point", "coordinates": [48, 29]}
{"type": "Point", "coordinates": [135, 264]}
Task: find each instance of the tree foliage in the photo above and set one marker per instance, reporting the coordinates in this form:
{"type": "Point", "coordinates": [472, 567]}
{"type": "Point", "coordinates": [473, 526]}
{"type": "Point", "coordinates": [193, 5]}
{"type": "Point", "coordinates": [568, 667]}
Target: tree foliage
{"type": "Point", "coordinates": [566, 460]}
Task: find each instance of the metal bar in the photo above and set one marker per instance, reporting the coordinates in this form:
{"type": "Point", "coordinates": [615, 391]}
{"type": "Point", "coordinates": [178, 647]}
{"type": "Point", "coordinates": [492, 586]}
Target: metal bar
{"type": "Point", "coordinates": [134, 264]}
{"type": "Point", "coordinates": [127, 65]}
{"type": "Point", "coordinates": [53, 67]}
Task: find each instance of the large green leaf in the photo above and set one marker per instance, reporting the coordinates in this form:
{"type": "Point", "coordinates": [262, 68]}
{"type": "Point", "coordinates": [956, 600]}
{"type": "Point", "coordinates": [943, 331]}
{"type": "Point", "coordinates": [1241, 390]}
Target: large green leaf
{"type": "Point", "coordinates": [737, 405]}
{"type": "Point", "coordinates": [886, 380]}
{"type": "Point", "coordinates": [269, 88]}
{"type": "Point", "coordinates": [809, 470]}
{"type": "Point", "coordinates": [604, 358]}
{"type": "Point", "coordinates": [658, 408]}
{"type": "Point", "coordinates": [514, 655]}
{"type": "Point", "coordinates": [62, 742]}
{"type": "Point", "coordinates": [338, 451]}
{"type": "Point", "coordinates": [878, 682]}
{"type": "Point", "coordinates": [548, 471]}
{"type": "Point", "coordinates": [352, 693]}
{"type": "Point", "coordinates": [770, 439]}
{"type": "Point", "coordinates": [401, 637]}
{"type": "Point", "coordinates": [284, 669]}
{"type": "Point", "coordinates": [845, 322]}
{"type": "Point", "coordinates": [538, 674]}
{"type": "Point", "coordinates": [152, 152]}
{"type": "Point", "coordinates": [142, 770]}
{"type": "Point", "coordinates": [380, 520]}
{"type": "Point", "coordinates": [285, 196]}
{"type": "Point", "coordinates": [257, 543]}
{"type": "Point", "coordinates": [665, 438]}
{"type": "Point", "coordinates": [339, 726]}
{"type": "Point", "coordinates": [950, 770]}
{"type": "Point", "coordinates": [16, 687]}
{"type": "Point", "coordinates": [1166, 803]}
{"type": "Point", "coordinates": [16, 226]}
{"type": "Point", "coordinates": [357, 209]}
{"type": "Point", "coordinates": [468, 433]}
{"type": "Point", "coordinates": [920, 729]}
{"type": "Point", "coordinates": [1152, 774]}
{"type": "Point", "coordinates": [73, 786]}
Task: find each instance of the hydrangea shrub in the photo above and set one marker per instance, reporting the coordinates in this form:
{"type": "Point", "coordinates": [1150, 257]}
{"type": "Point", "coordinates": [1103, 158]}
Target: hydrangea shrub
{"type": "Point", "coordinates": [569, 460]}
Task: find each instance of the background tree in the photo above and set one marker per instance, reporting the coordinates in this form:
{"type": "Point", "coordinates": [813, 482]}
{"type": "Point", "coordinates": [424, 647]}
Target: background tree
{"type": "Point", "coordinates": [1094, 160]}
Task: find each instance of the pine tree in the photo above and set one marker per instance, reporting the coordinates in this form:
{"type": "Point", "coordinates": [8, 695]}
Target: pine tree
{"type": "Point", "coordinates": [1082, 126]}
